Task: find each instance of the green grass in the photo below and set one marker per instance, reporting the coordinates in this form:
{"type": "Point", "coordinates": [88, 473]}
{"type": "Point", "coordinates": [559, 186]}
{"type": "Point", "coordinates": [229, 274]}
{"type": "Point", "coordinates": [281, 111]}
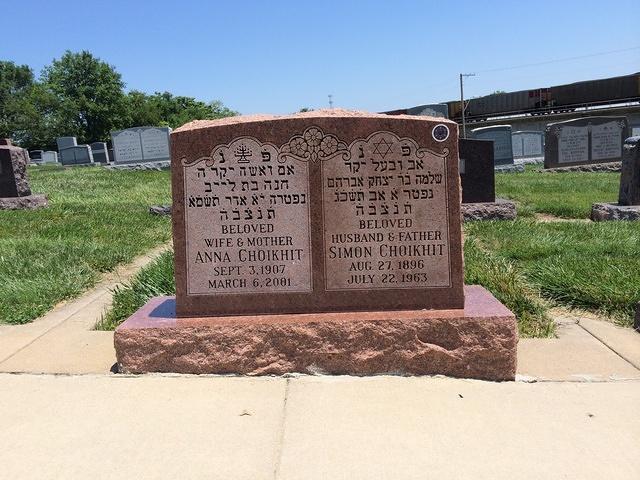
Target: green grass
{"type": "Point", "coordinates": [96, 219]}
{"type": "Point", "coordinates": [154, 280]}
{"type": "Point", "coordinates": [595, 266]}
{"type": "Point", "coordinates": [567, 195]}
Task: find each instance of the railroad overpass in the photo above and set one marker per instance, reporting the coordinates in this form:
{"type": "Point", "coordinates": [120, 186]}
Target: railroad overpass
{"type": "Point", "coordinates": [539, 122]}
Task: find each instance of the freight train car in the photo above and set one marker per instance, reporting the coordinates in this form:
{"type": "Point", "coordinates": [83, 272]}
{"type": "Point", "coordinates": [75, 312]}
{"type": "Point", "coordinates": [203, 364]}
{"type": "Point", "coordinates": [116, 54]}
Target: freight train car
{"type": "Point", "coordinates": [606, 90]}
{"type": "Point", "coordinates": [430, 110]}
{"type": "Point", "coordinates": [542, 101]}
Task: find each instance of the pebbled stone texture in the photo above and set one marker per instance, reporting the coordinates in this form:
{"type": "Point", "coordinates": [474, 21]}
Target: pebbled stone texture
{"type": "Point", "coordinates": [19, 203]}
{"type": "Point", "coordinates": [612, 211]}
{"type": "Point", "coordinates": [596, 167]}
{"type": "Point", "coordinates": [498, 210]}
{"type": "Point", "coordinates": [477, 342]}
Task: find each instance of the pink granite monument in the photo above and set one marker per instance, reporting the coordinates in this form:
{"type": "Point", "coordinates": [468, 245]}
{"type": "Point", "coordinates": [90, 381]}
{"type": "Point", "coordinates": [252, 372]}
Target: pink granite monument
{"type": "Point", "coordinates": [327, 241]}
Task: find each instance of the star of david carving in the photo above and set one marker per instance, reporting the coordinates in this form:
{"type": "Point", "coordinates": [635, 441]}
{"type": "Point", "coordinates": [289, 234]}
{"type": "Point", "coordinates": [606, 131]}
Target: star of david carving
{"type": "Point", "coordinates": [382, 148]}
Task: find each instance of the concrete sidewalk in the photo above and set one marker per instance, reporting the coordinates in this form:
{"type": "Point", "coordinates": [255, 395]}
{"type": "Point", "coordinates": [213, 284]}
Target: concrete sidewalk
{"type": "Point", "coordinates": [185, 427]}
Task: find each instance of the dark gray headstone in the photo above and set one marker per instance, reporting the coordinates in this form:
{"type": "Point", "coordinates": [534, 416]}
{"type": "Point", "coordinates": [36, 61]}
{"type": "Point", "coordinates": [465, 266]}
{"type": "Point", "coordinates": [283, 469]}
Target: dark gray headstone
{"type": "Point", "coordinates": [500, 135]}
{"type": "Point", "coordinates": [584, 141]}
{"type": "Point", "coordinates": [36, 155]}
{"type": "Point", "coordinates": [477, 174]}
{"type": "Point", "coordinates": [630, 175]}
{"type": "Point", "coordinates": [76, 155]}
{"type": "Point", "coordinates": [527, 144]}
{"type": "Point", "coordinates": [141, 145]}
{"type": "Point", "coordinates": [430, 110]}
{"type": "Point", "coordinates": [13, 170]}
{"type": "Point", "coordinates": [66, 142]}
{"type": "Point", "coordinates": [100, 152]}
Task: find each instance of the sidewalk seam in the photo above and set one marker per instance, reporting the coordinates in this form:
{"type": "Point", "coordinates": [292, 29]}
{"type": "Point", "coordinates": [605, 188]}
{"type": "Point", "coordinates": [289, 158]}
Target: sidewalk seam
{"type": "Point", "coordinates": [280, 444]}
{"type": "Point", "coordinates": [609, 347]}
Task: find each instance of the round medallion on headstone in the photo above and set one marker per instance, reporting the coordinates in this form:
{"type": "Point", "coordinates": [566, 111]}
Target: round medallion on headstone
{"type": "Point", "coordinates": [440, 132]}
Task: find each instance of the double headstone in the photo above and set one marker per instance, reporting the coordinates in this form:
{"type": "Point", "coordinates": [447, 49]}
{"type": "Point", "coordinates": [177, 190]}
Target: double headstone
{"type": "Point", "coordinates": [584, 141]}
{"type": "Point", "coordinates": [528, 144]}
{"type": "Point", "coordinates": [500, 135]}
{"type": "Point", "coordinates": [440, 110]}
{"type": "Point", "coordinates": [15, 191]}
{"type": "Point", "coordinates": [77, 155]}
{"type": "Point", "coordinates": [329, 240]}
{"type": "Point", "coordinates": [141, 145]}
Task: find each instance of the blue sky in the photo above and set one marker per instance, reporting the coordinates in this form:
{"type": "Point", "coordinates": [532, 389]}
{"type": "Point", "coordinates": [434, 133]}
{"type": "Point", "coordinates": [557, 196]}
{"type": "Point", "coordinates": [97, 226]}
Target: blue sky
{"type": "Point", "coordinates": [279, 56]}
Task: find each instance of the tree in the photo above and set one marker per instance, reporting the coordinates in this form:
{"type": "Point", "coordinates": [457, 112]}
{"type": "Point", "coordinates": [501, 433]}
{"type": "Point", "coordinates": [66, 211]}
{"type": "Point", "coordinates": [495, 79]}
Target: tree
{"type": "Point", "coordinates": [90, 95]}
{"type": "Point", "coordinates": [15, 83]}
{"type": "Point", "coordinates": [165, 109]}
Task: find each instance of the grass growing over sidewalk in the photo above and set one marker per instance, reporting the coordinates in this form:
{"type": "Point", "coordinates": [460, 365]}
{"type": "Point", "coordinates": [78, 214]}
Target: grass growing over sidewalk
{"type": "Point", "coordinates": [96, 220]}
{"type": "Point", "coordinates": [154, 280]}
{"type": "Point", "coordinates": [567, 195]}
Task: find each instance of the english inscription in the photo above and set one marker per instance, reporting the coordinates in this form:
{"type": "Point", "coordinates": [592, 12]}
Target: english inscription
{"type": "Point", "coordinates": [606, 141]}
{"type": "Point", "coordinates": [573, 144]}
{"type": "Point", "coordinates": [385, 216]}
{"type": "Point", "coordinates": [247, 221]}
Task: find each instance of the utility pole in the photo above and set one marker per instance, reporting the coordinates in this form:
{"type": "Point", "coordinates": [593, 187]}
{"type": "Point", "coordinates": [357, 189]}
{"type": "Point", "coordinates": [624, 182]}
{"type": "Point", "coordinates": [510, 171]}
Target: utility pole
{"type": "Point", "coordinates": [330, 101]}
{"type": "Point", "coordinates": [463, 107]}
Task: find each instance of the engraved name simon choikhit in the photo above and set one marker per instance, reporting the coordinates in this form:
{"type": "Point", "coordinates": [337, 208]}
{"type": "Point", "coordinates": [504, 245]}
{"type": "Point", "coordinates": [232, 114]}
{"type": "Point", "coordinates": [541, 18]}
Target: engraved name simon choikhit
{"type": "Point", "coordinates": [312, 145]}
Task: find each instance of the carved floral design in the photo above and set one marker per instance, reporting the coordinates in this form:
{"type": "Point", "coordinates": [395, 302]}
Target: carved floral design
{"type": "Point", "coordinates": [313, 145]}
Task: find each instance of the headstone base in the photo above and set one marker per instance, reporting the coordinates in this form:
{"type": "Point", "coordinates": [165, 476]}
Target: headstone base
{"type": "Point", "coordinates": [20, 203]}
{"type": "Point", "coordinates": [479, 341]}
{"type": "Point", "coordinates": [509, 168]}
{"type": "Point", "coordinates": [498, 210]}
{"type": "Point", "coordinates": [596, 167]}
{"type": "Point", "coordinates": [163, 165]}
{"type": "Point", "coordinates": [601, 212]}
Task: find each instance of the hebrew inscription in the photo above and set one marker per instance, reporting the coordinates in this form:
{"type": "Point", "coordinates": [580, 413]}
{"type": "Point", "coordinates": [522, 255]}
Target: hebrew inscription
{"type": "Point", "coordinates": [385, 216]}
{"type": "Point", "coordinates": [247, 221]}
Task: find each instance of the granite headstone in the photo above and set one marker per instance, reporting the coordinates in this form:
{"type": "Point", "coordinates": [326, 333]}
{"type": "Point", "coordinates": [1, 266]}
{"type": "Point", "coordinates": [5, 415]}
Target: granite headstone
{"type": "Point", "coordinates": [584, 141]}
{"type": "Point", "coordinates": [630, 176]}
{"type": "Point", "coordinates": [387, 191]}
{"type": "Point", "coordinates": [528, 144]}
{"type": "Point", "coordinates": [500, 135]}
{"type": "Point", "coordinates": [141, 144]}
{"type": "Point", "coordinates": [15, 192]}
{"type": "Point", "coordinates": [477, 174]}
{"type": "Point", "coordinates": [66, 142]}
{"type": "Point", "coordinates": [326, 241]}
{"type": "Point", "coordinates": [80, 154]}
{"type": "Point", "coordinates": [100, 152]}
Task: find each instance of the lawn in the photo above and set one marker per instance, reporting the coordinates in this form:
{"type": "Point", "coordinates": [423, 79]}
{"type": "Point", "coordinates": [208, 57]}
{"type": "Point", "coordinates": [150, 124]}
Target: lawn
{"type": "Point", "coordinates": [567, 195]}
{"type": "Point", "coordinates": [96, 220]}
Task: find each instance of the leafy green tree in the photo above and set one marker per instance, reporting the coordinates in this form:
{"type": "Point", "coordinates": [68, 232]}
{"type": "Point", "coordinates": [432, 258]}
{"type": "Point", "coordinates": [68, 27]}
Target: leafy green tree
{"type": "Point", "coordinates": [15, 83]}
{"type": "Point", "coordinates": [90, 95]}
{"type": "Point", "coordinates": [165, 109]}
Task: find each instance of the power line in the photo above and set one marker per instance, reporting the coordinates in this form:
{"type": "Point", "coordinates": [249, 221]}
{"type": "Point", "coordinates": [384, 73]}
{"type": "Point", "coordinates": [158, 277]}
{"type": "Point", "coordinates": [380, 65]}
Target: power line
{"type": "Point", "coordinates": [558, 60]}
